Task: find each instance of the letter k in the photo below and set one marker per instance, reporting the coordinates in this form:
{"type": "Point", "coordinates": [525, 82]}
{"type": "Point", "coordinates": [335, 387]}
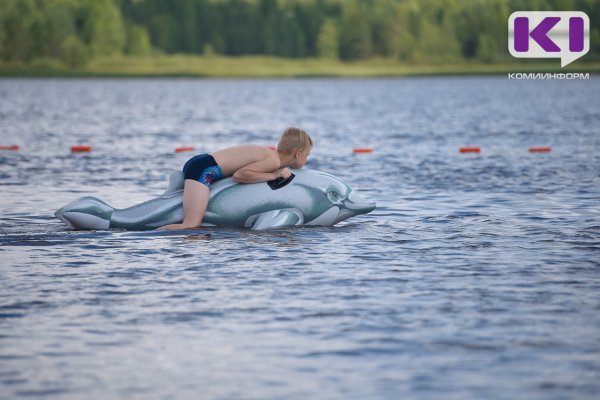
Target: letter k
{"type": "Point", "coordinates": [539, 34]}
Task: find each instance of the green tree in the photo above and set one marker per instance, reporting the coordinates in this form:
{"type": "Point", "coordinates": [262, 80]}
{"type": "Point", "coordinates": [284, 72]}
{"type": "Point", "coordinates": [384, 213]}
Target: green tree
{"type": "Point", "coordinates": [389, 30]}
{"type": "Point", "coordinates": [327, 43]}
{"type": "Point", "coordinates": [138, 41]}
{"type": "Point", "coordinates": [163, 30]}
{"type": "Point", "coordinates": [309, 20]}
{"type": "Point", "coordinates": [20, 18]}
{"type": "Point", "coordinates": [486, 49]}
{"type": "Point", "coordinates": [73, 52]}
{"type": "Point", "coordinates": [403, 45]}
{"type": "Point", "coordinates": [103, 27]}
{"type": "Point", "coordinates": [354, 33]}
{"type": "Point", "coordinates": [59, 23]}
{"type": "Point", "coordinates": [437, 44]}
{"type": "Point", "coordinates": [270, 15]}
{"type": "Point", "coordinates": [188, 19]}
{"type": "Point", "coordinates": [290, 40]}
{"type": "Point", "coordinates": [2, 33]}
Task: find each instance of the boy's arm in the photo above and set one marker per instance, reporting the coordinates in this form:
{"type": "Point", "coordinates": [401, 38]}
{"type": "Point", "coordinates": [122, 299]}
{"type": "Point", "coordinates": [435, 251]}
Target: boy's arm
{"type": "Point", "coordinates": [259, 171]}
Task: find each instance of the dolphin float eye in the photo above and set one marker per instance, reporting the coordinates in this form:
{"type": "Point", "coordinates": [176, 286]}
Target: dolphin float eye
{"type": "Point", "coordinates": [333, 196]}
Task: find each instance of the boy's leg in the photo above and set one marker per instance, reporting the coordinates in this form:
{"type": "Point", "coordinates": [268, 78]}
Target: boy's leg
{"type": "Point", "coordinates": [195, 201]}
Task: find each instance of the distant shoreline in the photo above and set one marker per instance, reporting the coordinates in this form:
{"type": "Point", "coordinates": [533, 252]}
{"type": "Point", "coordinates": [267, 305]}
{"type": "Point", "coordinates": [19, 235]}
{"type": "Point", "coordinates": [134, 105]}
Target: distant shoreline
{"type": "Point", "coordinates": [273, 67]}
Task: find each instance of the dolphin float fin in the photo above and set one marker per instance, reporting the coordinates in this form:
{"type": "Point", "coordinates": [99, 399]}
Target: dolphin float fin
{"type": "Point", "coordinates": [283, 218]}
{"type": "Point", "coordinates": [175, 183]}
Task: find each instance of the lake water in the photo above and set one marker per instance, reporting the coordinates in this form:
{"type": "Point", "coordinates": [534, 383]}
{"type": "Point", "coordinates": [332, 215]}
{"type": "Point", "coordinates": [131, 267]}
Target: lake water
{"type": "Point", "coordinates": [477, 276]}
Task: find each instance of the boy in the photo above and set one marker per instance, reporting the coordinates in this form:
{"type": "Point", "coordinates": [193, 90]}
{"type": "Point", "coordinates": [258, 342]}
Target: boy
{"type": "Point", "coordinates": [246, 164]}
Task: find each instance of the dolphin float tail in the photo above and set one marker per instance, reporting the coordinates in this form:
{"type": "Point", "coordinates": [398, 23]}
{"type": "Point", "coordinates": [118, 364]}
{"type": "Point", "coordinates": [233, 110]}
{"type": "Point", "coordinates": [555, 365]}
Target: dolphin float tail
{"type": "Point", "coordinates": [86, 213]}
{"type": "Point", "coordinates": [92, 213]}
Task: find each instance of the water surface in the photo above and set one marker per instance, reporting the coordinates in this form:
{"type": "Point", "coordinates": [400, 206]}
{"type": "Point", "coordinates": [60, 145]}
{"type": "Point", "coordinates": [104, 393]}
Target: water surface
{"type": "Point", "coordinates": [477, 276]}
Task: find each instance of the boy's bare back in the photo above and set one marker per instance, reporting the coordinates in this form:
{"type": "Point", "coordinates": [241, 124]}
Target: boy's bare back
{"type": "Point", "coordinates": [234, 158]}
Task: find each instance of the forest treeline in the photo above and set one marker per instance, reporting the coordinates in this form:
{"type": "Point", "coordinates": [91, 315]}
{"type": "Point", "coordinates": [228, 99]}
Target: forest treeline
{"type": "Point", "coordinates": [73, 32]}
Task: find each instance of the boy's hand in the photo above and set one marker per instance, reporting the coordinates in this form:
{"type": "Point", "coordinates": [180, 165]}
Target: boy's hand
{"type": "Point", "coordinates": [283, 173]}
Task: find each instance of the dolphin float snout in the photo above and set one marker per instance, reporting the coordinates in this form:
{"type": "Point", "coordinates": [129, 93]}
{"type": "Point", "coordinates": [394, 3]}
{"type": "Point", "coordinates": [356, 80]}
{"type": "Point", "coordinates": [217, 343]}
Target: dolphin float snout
{"type": "Point", "coordinates": [358, 204]}
{"type": "Point", "coordinates": [354, 205]}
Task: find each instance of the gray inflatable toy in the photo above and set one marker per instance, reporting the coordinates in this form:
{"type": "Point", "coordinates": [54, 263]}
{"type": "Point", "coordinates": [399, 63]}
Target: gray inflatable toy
{"type": "Point", "coordinates": [308, 197]}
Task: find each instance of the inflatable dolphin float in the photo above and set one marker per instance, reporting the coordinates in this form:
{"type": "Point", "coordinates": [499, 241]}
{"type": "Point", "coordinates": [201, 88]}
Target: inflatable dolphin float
{"type": "Point", "coordinates": [307, 197]}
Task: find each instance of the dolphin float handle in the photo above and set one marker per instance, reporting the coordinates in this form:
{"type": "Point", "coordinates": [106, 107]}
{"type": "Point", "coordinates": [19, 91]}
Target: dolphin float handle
{"type": "Point", "coordinates": [280, 182]}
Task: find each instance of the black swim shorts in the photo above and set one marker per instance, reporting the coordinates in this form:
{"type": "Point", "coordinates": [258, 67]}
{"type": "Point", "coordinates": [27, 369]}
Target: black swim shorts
{"type": "Point", "coordinates": [202, 168]}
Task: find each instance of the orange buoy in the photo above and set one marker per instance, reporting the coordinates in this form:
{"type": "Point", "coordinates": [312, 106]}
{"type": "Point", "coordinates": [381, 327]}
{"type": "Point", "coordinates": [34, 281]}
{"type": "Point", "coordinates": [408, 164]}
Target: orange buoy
{"type": "Point", "coordinates": [81, 149]}
{"type": "Point", "coordinates": [540, 149]}
{"type": "Point", "coordinates": [469, 150]}
{"type": "Point", "coordinates": [358, 150]}
{"type": "Point", "coordinates": [184, 149]}
{"type": "Point", "coordinates": [11, 148]}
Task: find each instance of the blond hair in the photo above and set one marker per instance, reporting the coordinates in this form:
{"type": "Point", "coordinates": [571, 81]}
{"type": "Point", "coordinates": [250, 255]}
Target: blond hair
{"type": "Point", "coordinates": [294, 138]}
